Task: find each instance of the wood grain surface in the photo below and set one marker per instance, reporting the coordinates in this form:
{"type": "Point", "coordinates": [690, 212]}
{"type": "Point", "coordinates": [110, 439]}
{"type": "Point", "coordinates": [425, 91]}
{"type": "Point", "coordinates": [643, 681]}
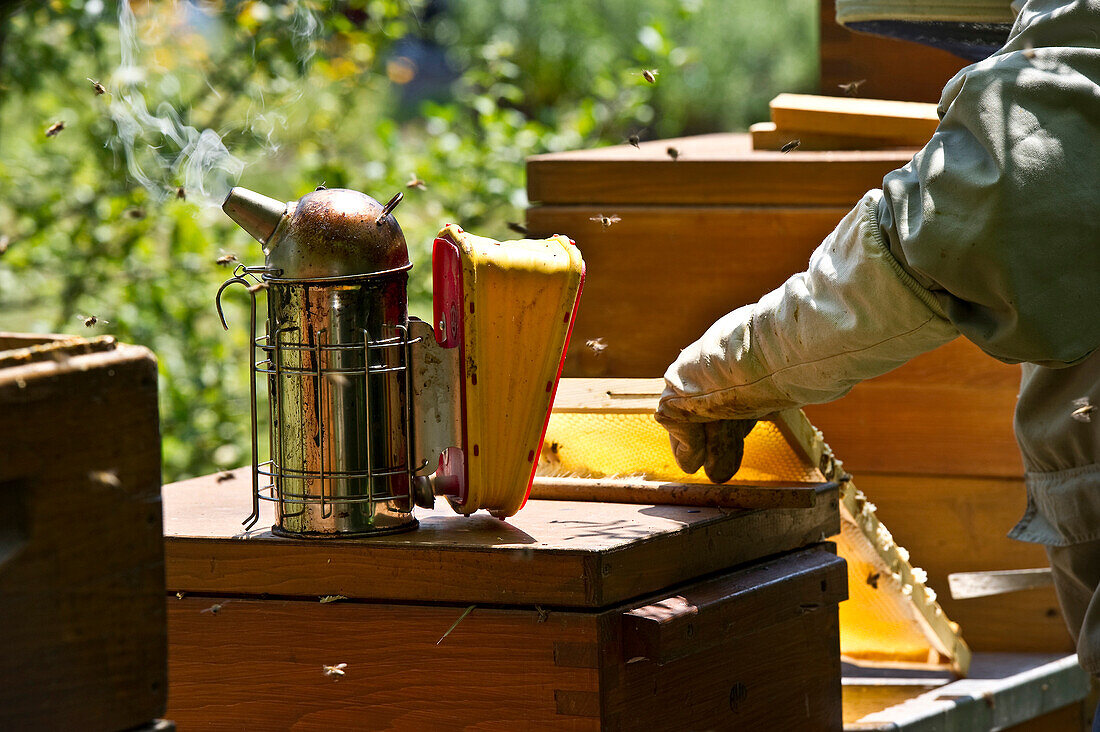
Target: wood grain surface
{"type": "Point", "coordinates": [910, 122]}
{"type": "Point", "coordinates": [81, 554]}
{"type": "Point", "coordinates": [710, 169]}
{"type": "Point", "coordinates": [889, 69]}
{"type": "Point", "coordinates": [557, 553]}
{"type": "Point", "coordinates": [259, 664]}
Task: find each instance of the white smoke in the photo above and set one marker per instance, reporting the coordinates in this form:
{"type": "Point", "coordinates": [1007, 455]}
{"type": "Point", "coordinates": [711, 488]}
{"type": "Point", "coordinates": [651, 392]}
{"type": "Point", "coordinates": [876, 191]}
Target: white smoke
{"type": "Point", "coordinates": [160, 149]}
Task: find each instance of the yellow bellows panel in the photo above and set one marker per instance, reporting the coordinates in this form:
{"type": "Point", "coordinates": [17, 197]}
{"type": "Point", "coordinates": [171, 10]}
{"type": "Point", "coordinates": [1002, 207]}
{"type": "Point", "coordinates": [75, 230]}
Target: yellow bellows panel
{"type": "Point", "coordinates": [510, 307]}
{"type": "Point", "coordinates": [891, 618]}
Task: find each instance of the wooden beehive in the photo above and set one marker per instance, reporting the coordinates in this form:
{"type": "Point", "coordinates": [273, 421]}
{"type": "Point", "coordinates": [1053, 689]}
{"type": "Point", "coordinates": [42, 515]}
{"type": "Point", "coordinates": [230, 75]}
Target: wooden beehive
{"type": "Point", "coordinates": [81, 555]}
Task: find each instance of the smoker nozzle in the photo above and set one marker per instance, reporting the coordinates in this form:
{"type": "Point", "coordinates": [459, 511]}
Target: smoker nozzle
{"type": "Point", "coordinates": [254, 212]}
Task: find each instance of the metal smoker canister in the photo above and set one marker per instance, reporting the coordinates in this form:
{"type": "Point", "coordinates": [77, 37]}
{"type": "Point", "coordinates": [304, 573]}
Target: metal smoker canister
{"type": "Point", "coordinates": [336, 356]}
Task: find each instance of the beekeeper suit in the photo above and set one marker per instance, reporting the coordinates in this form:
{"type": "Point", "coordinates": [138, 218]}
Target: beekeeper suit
{"type": "Point", "coordinates": [992, 231]}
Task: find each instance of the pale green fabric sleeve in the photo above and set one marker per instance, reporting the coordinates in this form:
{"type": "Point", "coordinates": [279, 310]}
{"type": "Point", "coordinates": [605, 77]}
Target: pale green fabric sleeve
{"type": "Point", "coordinates": [999, 214]}
{"type": "Point", "coordinates": [854, 314]}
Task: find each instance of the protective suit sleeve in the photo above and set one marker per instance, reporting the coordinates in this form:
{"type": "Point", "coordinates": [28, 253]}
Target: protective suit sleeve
{"type": "Point", "coordinates": [853, 314]}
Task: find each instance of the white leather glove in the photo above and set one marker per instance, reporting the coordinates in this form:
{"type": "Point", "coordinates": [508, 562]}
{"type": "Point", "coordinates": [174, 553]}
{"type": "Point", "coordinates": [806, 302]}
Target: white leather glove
{"type": "Point", "coordinates": [854, 314]}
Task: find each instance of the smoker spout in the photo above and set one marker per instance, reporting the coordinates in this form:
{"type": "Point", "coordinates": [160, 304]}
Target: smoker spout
{"type": "Point", "coordinates": [254, 212]}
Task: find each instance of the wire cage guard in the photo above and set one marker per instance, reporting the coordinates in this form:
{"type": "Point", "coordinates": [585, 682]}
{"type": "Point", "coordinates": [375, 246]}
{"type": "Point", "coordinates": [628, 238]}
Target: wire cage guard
{"type": "Point", "coordinates": [341, 429]}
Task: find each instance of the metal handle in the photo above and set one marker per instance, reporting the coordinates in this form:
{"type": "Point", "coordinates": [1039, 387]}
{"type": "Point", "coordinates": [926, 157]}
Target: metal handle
{"type": "Point", "coordinates": [238, 278]}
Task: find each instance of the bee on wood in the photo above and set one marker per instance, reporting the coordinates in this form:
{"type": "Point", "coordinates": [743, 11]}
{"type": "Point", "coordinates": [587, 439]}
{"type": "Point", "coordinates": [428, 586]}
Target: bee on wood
{"type": "Point", "coordinates": [181, 193]}
{"type": "Point", "coordinates": [673, 153]}
{"type": "Point", "coordinates": [650, 75]}
{"type": "Point", "coordinates": [605, 221]}
{"type": "Point", "coordinates": [634, 140]}
{"type": "Point", "coordinates": [544, 614]}
{"type": "Point", "coordinates": [225, 260]}
{"type": "Point", "coordinates": [97, 87]}
{"type": "Point", "coordinates": [92, 320]}
{"type": "Point", "coordinates": [872, 579]}
{"type": "Point", "coordinates": [415, 182]}
{"type": "Point", "coordinates": [5, 242]}
{"type": "Point", "coordinates": [213, 609]}
{"type": "Point", "coordinates": [108, 478]}
{"type": "Point", "coordinates": [137, 214]}
{"type": "Point", "coordinates": [224, 476]}
{"type": "Point", "coordinates": [53, 129]}
{"type": "Point", "coordinates": [852, 87]}
{"type": "Point", "coordinates": [596, 345]}
{"type": "Point", "coordinates": [180, 595]}
{"type": "Point", "coordinates": [518, 228]}
{"type": "Point", "coordinates": [258, 287]}
{"type": "Point", "coordinates": [1083, 410]}
{"type": "Point", "coordinates": [334, 672]}
{"type": "Point", "coordinates": [325, 599]}
{"type": "Point", "coordinates": [792, 145]}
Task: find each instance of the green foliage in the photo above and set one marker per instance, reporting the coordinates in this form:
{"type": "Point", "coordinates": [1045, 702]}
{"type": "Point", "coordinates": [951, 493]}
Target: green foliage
{"type": "Point", "coordinates": [341, 104]}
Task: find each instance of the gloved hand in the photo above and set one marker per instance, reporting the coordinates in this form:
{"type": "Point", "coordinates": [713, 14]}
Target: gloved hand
{"type": "Point", "coordinates": [717, 447]}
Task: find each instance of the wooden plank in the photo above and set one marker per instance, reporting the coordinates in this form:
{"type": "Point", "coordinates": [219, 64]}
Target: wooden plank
{"type": "Point", "coordinates": [1002, 690]}
{"type": "Point", "coordinates": [783, 677]}
{"type": "Point", "coordinates": [81, 555]}
{"type": "Point", "coordinates": [911, 122]}
{"type": "Point", "coordinates": [952, 524]}
{"type": "Point", "coordinates": [710, 169]}
{"type": "Point", "coordinates": [258, 664]}
{"type": "Point", "coordinates": [551, 553]}
{"type": "Point", "coordinates": [734, 605]}
{"type": "Point", "coordinates": [765, 136]}
{"type": "Point", "coordinates": [653, 492]}
{"type": "Point", "coordinates": [657, 279]}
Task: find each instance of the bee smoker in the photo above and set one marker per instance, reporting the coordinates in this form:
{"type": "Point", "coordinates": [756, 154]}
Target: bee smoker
{"type": "Point", "coordinates": [372, 411]}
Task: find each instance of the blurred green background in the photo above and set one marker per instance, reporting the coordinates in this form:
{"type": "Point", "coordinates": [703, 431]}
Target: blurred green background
{"type": "Point", "coordinates": [358, 94]}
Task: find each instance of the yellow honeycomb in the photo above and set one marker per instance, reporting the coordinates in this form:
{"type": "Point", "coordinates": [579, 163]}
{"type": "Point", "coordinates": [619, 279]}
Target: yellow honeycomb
{"type": "Point", "coordinates": [620, 444]}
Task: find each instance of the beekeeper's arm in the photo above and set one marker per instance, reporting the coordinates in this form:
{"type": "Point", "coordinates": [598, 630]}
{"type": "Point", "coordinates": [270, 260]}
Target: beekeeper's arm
{"type": "Point", "coordinates": [990, 231]}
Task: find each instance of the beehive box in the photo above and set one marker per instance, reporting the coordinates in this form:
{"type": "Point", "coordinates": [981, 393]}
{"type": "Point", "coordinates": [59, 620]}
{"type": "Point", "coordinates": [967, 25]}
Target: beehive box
{"type": "Point", "coordinates": [722, 225]}
{"type": "Point", "coordinates": [81, 556]}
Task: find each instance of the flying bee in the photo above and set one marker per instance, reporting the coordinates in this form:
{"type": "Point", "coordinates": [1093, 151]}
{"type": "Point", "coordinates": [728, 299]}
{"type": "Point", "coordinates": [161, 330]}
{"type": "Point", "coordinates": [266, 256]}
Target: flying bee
{"type": "Point", "coordinates": [792, 145]}
{"type": "Point", "coordinates": [650, 75]}
{"type": "Point", "coordinates": [181, 193]}
{"type": "Point", "coordinates": [852, 87]}
{"type": "Point", "coordinates": [97, 87]}
{"type": "Point", "coordinates": [137, 214]}
{"type": "Point", "coordinates": [258, 287]}
{"type": "Point", "coordinates": [334, 672]}
{"type": "Point", "coordinates": [213, 609]}
{"type": "Point", "coordinates": [225, 259]}
{"type": "Point", "coordinates": [108, 478]}
{"type": "Point", "coordinates": [872, 579]}
{"type": "Point", "coordinates": [634, 140]}
{"type": "Point", "coordinates": [415, 182]}
{"type": "Point", "coordinates": [596, 345]}
{"type": "Point", "coordinates": [1083, 411]}
{"type": "Point", "coordinates": [605, 221]}
{"type": "Point", "coordinates": [1029, 51]}
{"type": "Point", "coordinates": [224, 476]}
{"type": "Point", "coordinates": [5, 242]}
{"type": "Point", "coordinates": [518, 228]}
{"type": "Point", "coordinates": [53, 129]}
{"type": "Point", "coordinates": [673, 153]}
{"type": "Point", "coordinates": [92, 320]}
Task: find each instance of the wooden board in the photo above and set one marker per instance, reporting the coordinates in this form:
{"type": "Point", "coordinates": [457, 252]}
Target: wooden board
{"type": "Point", "coordinates": [657, 279]}
{"type": "Point", "coordinates": [711, 169]}
{"type": "Point", "coordinates": [765, 136]}
{"type": "Point", "coordinates": [81, 555]}
{"type": "Point", "coordinates": [952, 524]}
{"type": "Point", "coordinates": [259, 664]}
{"type": "Point", "coordinates": [556, 553]}
{"type": "Point", "coordinates": [910, 122]}
{"type": "Point", "coordinates": [1003, 691]}
{"type": "Point", "coordinates": [890, 69]}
